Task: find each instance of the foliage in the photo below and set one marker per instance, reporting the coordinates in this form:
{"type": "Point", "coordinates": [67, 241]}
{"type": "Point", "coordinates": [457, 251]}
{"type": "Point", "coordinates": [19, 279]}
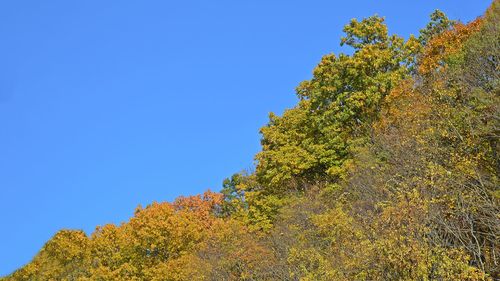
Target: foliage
{"type": "Point", "coordinates": [313, 142]}
{"type": "Point", "coordinates": [386, 169]}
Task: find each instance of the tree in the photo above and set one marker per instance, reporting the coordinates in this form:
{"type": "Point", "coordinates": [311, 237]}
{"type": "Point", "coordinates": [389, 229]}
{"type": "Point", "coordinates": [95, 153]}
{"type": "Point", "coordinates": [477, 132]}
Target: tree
{"type": "Point", "coordinates": [314, 141]}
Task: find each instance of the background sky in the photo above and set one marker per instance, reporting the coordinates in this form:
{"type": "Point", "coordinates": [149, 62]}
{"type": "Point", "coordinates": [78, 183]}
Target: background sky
{"type": "Point", "coordinates": [105, 105]}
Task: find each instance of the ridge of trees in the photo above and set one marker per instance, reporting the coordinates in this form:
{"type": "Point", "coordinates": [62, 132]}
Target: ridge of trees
{"type": "Point", "coordinates": [386, 169]}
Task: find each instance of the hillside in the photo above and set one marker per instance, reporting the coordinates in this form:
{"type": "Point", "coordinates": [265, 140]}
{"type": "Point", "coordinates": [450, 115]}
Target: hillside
{"type": "Point", "coordinates": [387, 168]}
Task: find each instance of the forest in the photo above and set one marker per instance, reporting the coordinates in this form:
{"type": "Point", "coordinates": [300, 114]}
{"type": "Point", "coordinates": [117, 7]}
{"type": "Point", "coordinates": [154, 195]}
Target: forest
{"type": "Point", "coordinates": [387, 168]}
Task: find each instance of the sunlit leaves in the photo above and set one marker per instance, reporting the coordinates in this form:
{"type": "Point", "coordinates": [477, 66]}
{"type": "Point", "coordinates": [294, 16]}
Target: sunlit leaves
{"type": "Point", "coordinates": [386, 169]}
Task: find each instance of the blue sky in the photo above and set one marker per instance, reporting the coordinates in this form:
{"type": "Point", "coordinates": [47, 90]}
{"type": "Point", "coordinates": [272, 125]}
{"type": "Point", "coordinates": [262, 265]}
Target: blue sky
{"type": "Point", "coordinates": [105, 105]}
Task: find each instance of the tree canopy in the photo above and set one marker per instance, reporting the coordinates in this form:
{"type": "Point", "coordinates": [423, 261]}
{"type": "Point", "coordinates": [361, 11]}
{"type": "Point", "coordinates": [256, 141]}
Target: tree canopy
{"type": "Point", "coordinates": [387, 168]}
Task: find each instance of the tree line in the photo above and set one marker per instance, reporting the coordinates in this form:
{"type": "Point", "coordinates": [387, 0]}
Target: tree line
{"type": "Point", "coordinates": [387, 168]}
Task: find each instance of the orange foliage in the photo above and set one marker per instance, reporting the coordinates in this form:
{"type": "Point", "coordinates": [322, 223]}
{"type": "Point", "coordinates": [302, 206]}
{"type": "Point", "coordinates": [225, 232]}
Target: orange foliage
{"type": "Point", "coordinates": [447, 43]}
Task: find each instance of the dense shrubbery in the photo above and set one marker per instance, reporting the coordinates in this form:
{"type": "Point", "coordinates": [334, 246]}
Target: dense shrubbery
{"type": "Point", "coordinates": [386, 169]}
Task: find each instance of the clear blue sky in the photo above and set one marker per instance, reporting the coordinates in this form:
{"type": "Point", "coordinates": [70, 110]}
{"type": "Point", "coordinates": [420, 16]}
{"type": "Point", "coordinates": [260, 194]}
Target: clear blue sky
{"type": "Point", "coordinates": [105, 105]}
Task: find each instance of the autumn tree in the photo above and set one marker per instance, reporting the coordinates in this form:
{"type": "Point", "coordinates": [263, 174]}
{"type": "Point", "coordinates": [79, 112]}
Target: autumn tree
{"type": "Point", "coordinates": [313, 142]}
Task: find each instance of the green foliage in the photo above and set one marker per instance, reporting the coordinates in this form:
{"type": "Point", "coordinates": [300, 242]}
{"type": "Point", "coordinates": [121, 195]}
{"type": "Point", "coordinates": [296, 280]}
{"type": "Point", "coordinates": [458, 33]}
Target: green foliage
{"type": "Point", "coordinates": [313, 142]}
{"type": "Point", "coordinates": [233, 190]}
{"type": "Point", "coordinates": [438, 24]}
